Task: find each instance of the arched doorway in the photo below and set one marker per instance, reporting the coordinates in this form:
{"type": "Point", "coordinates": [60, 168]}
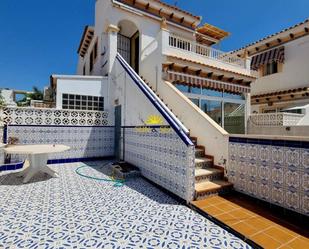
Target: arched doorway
{"type": "Point", "coordinates": [128, 44]}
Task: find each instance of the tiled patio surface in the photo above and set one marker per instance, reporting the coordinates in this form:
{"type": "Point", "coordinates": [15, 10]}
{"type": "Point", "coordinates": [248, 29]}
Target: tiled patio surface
{"type": "Point", "coordinates": [76, 212]}
{"type": "Point", "coordinates": [256, 223]}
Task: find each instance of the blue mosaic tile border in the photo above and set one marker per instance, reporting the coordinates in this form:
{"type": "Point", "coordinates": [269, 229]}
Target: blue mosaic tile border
{"type": "Point", "coordinates": [275, 142]}
{"type": "Point", "coordinates": [19, 165]}
{"type": "Point", "coordinates": [11, 166]}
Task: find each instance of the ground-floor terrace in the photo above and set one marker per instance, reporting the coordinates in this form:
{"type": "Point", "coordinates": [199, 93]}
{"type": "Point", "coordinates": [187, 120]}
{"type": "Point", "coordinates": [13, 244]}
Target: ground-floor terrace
{"type": "Point", "coordinates": [76, 212]}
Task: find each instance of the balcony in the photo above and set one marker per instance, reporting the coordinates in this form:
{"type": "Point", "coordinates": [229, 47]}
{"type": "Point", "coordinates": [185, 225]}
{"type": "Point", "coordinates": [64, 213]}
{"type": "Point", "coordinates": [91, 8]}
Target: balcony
{"type": "Point", "coordinates": [189, 49]}
{"type": "Point", "coordinates": [275, 119]}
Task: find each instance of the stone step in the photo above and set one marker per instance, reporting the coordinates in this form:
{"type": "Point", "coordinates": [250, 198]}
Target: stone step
{"type": "Point", "coordinates": [203, 162]}
{"type": "Point", "coordinates": [209, 188]}
{"type": "Point", "coordinates": [209, 174]}
{"type": "Point", "coordinates": [199, 152]}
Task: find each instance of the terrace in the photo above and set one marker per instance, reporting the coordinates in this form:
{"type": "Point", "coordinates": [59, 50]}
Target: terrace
{"type": "Point", "coordinates": [76, 212]}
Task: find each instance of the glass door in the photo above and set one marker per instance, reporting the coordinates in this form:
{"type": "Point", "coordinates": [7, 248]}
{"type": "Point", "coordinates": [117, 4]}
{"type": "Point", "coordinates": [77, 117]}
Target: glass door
{"type": "Point", "coordinates": [213, 109]}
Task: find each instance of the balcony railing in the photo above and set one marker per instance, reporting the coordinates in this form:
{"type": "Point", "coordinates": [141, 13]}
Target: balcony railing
{"type": "Point", "coordinates": [275, 119]}
{"type": "Point", "coordinates": [194, 47]}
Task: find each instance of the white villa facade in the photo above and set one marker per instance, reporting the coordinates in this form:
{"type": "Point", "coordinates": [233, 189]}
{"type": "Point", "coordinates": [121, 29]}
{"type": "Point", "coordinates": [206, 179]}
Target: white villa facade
{"type": "Point", "coordinates": [280, 95]}
{"type": "Point", "coordinates": [148, 63]}
{"type": "Point", "coordinates": [161, 43]}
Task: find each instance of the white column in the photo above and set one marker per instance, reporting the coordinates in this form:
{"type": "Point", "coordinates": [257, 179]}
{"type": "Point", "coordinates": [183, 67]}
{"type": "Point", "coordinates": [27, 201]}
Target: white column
{"type": "Point", "coordinates": [247, 110]}
{"type": "Point", "coordinates": [112, 32]}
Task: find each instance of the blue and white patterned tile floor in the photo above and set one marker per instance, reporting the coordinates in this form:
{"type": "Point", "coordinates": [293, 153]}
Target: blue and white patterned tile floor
{"type": "Point", "coordinates": [76, 212]}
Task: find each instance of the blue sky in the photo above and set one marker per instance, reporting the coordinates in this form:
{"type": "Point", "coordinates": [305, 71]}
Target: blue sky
{"type": "Point", "coordinates": [39, 38]}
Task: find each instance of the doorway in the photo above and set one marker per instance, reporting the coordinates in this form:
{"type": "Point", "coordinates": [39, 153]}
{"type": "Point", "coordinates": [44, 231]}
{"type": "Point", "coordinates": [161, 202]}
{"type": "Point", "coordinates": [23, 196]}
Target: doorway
{"type": "Point", "coordinates": [135, 52]}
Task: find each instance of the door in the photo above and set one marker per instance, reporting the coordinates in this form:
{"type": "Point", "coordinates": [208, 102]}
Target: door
{"type": "Point", "coordinates": [118, 132]}
{"type": "Point", "coordinates": [124, 47]}
{"type": "Point", "coordinates": [135, 52]}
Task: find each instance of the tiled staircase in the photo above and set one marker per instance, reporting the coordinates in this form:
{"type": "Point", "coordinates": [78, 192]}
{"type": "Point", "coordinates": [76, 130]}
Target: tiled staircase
{"type": "Point", "coordinates": [209, 179]}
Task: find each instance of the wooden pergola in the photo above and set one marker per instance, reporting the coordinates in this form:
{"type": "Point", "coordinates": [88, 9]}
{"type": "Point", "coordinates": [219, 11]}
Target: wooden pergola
{"type": "Point", "coordinates": [208, 30]}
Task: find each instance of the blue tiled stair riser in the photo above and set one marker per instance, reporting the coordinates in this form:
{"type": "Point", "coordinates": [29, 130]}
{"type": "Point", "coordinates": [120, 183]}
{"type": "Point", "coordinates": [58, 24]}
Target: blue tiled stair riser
{"type": "Point", "coordinates": [275, 171]}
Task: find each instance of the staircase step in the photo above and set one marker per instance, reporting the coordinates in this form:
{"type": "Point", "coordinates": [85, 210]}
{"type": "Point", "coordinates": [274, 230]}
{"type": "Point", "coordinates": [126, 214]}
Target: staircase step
{"type": "Point", "coordinates": [209, 174]}
{"type": "Point", "coordinates": [199, 152]}
{"type": "Point", "coordinates": [209, 188]}
{"type": "Point", "coordinates": [203, 162]}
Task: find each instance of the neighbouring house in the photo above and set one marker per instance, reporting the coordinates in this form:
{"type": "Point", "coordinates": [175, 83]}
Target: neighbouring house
{"type": "Point", "coordinates": [280, 95]}
{"type": "Point", "coordinates": [9, 96]}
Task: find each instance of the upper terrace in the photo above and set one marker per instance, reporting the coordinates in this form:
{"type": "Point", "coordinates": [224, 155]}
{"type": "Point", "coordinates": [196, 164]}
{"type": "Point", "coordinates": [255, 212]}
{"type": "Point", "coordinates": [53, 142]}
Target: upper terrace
{"type": "Point", "coordinates": [189, 48]}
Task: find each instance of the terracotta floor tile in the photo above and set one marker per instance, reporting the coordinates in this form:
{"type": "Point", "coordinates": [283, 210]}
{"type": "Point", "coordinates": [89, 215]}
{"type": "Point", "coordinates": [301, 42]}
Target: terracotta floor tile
{"type": "Point", "coordinates": [227, 219]}
{"type": "Point", "coordinates": [212, 210]}
{"type": "Point", "coordinates": [260, 223]}
{"type": "Point", "coordinates": [245, 229]}
{"type": "Point", "coordinates": [280, 235]}
{"type": "Point", "coordinates": [299, 243]}
{"type": "Point", "coordinates": [203, 203]}
{"type": "Point", "coordinates": [265, 241]}
{"type": "Point", "coordinates": [287, 230]}
{"type": "Point", "coordinates": [226, 206]}
{"type": "Point", "coordinates": [241, 214]}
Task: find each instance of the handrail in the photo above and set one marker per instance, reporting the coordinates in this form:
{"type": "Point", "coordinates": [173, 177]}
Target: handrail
{"type": "Point", "coordinates": [180, 129]}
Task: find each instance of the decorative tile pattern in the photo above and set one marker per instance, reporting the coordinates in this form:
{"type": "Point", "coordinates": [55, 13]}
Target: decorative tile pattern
{"type": "Point", "coordinates": [272, 170]}
{"type": "Point", "coordinates": [163, 158]}
{"type": "Point", "coordinates": [44, 116]}
{"type": "Point", "coordinates": [85, 142]}
{"type": "Point", "coordinates": [75, 212]}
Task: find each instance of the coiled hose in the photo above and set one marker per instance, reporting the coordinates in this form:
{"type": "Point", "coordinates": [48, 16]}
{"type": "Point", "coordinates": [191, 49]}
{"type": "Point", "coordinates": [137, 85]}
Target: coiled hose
{"type": "Point", "coordinates": [117, 182]}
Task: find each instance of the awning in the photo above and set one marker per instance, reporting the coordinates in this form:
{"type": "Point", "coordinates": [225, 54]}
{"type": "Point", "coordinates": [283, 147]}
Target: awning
{"type": "Point", "coordinates": [191, 80]}
{"type": "Point", "coordinates": [274, 55]}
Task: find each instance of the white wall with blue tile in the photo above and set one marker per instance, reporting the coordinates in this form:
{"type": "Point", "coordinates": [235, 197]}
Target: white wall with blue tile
{"type": "Point", "coordinates": [87, 133]}
{"type": "Point", "coordinates": [273, 170]}
{"type": "Point", "coordinates": [163, 158]}
{"type": "Point", "coordinates": [84, 142]}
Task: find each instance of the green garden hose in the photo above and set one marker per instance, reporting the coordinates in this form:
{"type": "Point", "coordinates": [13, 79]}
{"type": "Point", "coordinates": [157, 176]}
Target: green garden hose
{"type": "Point", "coordinates": [117, 182]}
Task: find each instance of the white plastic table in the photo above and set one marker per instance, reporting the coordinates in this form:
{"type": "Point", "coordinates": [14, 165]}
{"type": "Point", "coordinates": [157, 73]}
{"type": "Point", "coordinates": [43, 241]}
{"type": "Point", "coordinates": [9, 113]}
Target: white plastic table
{"type": "Point", "coordinates": [37, 155]}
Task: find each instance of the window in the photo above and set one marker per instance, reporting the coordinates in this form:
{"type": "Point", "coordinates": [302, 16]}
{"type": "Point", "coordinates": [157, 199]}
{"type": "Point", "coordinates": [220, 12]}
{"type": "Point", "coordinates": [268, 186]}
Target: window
{"type": "Point", "coordinates": [270, 68]}
{"type": "Point", "coordinates": [82, 102]}
{"type": "Point", "coordinates": [84, 70]}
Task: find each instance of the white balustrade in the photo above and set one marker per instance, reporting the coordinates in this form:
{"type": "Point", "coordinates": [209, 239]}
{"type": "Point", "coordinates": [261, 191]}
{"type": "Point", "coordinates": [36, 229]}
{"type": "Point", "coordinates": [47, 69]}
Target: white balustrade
{"type": "Point", "coordinates": [194, 47]}
{"type": "Point", "coordinates": [275, 119]}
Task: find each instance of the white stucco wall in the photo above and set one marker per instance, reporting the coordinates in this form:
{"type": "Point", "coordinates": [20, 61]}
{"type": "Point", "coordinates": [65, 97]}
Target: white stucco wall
{"type": "Point", "coordinates": [136, 108]}
{"type": "Point", "coordinates": [81, 85]}
{"type": "Point", "coordinates": [295, 71]}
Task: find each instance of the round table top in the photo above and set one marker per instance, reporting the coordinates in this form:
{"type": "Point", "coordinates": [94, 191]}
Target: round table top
{"type": "Point", "coordinates": [36, 149]}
